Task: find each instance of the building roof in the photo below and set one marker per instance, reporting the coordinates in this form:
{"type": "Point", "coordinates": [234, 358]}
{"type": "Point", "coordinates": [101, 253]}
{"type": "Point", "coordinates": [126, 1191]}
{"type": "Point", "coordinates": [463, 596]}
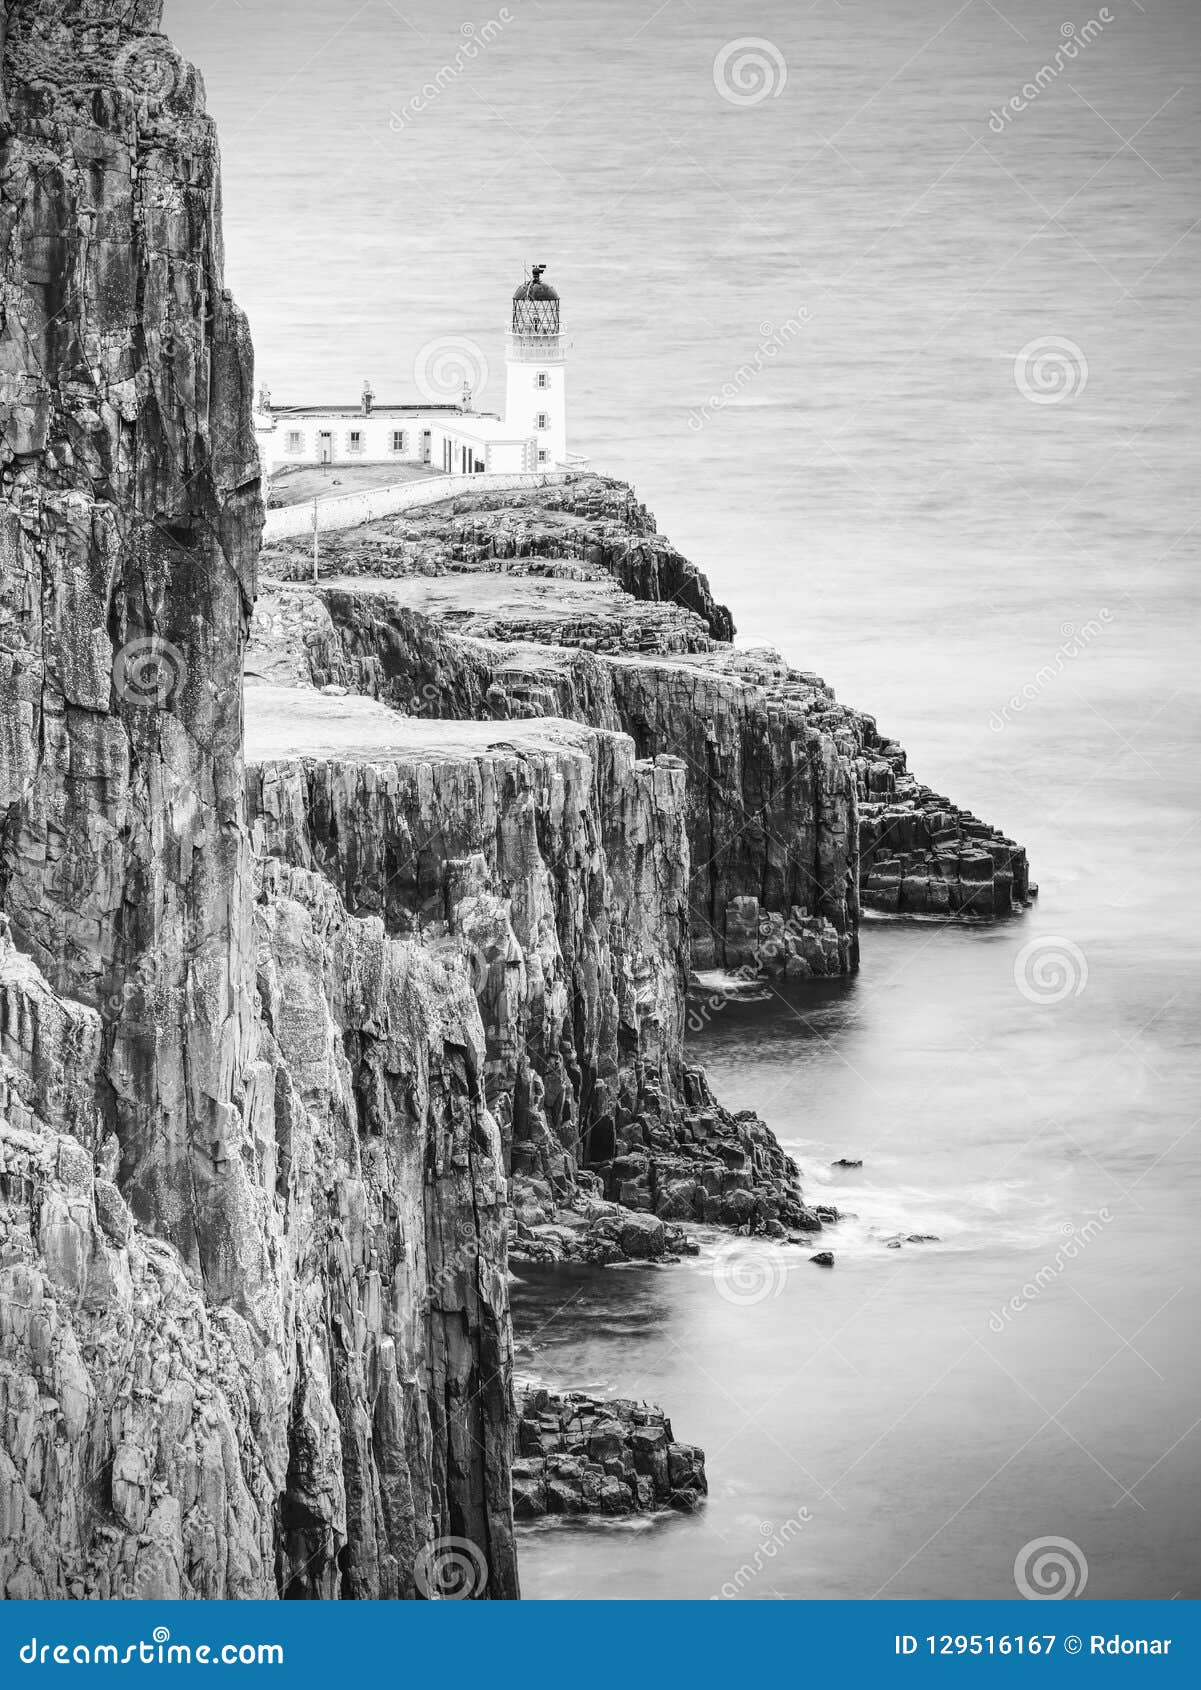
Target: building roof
{"type": "Point", "coordinates": [356, 410]}
{"type": "Point", "coordinates": [536, 310]}
{"type": "Point", "coordinates": [536, 288]}
{"type": "Point", "coordinates": [483, 428]}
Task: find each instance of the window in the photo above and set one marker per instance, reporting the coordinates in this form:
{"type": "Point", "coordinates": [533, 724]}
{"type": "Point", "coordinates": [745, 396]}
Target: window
{"type": "Point", "coordinates": [295, 440]}
{"type": "Point", "coordinates": [398, 439]}
{"type": "Point", "coordinates": [542, 420]}
{"type": "Point", "coordinates": [356, 440]}
{"type": "Point", "coordinates": [543, 379]}
{"type": "Point", "coordinates": [543, 455]}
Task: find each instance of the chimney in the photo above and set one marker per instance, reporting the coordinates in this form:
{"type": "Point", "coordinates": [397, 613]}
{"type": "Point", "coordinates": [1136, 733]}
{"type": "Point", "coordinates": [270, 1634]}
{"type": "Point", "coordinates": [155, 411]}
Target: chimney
{"type": "Point", "coordinates": [368, 398]}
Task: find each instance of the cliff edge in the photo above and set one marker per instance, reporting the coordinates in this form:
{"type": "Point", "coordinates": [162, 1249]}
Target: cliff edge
{"type": "Point", "coordinates": [566, 601]}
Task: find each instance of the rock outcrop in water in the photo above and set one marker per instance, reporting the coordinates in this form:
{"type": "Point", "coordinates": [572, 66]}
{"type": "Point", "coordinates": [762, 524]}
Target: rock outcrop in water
{"type": "Point", "coordinates": [254, 1328]}
{"type": "Point", "coordinates": [579, 1454]}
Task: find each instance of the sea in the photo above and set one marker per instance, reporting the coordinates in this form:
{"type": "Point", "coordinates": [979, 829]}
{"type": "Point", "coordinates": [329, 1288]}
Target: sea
{"type": "Point", "coordinates": [885, 309]}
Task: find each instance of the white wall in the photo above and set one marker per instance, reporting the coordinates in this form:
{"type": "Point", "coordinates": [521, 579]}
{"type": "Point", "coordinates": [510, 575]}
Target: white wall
{"type": "Point", "coordinates": [278, 448]}
{"type": "Point", "coordinates": [497, 455]}
{"type": "Point", "coordinates": [350, 510]}
{"type": "Point", "coordinates": [508, 457]}
{"type": "Point", "coordinates": [525, 402]}
{"type": "Point", "coordinates": [376, 440]}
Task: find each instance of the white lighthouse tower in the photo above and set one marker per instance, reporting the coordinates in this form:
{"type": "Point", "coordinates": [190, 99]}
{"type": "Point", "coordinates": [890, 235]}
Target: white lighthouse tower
{"type": "Point", "coordinates": [536, 367]}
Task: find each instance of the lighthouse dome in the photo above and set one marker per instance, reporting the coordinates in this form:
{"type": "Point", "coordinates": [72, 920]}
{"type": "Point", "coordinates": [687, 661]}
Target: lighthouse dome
{"type": "Point", "coordinates": [536, 306]}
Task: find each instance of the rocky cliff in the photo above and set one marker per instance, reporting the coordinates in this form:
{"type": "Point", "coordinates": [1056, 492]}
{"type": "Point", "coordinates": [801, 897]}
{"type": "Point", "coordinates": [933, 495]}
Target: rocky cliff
{"type": "Point", "coordinates": [253, 1312]}
{"type": "Point", "coordinates": [725, 807]}
{"type": "Point", "coordinates": [546, 860]}
{"type": "Point", "coordinates": [517, 605]}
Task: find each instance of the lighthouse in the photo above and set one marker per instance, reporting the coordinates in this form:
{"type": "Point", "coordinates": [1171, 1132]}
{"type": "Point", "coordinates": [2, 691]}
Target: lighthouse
{"type": "Point", "coordinates": [536, 371]}
{"type": "Point", "coordinates": [443, 432]}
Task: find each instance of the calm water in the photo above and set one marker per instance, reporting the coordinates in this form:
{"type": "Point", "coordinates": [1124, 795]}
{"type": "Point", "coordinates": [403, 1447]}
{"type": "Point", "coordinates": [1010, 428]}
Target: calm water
{"type": "Point", "coordinates": [880, 498]}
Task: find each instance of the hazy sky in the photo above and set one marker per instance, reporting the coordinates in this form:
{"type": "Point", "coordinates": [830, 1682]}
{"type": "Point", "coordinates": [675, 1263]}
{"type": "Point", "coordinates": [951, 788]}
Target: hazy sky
{"type": "Point", "coordinates": [599, 137]}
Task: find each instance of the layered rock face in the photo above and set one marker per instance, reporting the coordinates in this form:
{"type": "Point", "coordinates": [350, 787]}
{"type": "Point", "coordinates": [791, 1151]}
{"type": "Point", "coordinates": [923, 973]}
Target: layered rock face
{"type": "Point", "coordinates": [367, 1091]}
{"type": "Point", "coordinates": [593, 520]}
{"type": "Point", "coordinates": [254, 1330]}
{"type": "Point", "coordinates": [950, 863]}
{"type": "Point", "coordinates": [128, 540]}
{"type": "Point", "coordinates": [155, 1442]}
{"type": "Point", "coordinates": [770, 799]}
{"type": "Point", "coordinates": [548, 861]}
{"type": "Point", "coordinates": [799, 811]}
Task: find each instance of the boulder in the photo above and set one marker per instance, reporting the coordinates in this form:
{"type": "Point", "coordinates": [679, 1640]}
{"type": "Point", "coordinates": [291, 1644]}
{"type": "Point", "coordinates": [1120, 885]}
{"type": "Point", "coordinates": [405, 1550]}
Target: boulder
{"type": "Point", "coordinates": [642, 1237]}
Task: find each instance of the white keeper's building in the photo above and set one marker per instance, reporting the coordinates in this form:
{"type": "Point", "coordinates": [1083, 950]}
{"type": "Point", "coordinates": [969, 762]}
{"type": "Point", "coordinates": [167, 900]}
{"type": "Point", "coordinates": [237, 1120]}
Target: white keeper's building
{"type": "Point", "coordinates": [453, 438]}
